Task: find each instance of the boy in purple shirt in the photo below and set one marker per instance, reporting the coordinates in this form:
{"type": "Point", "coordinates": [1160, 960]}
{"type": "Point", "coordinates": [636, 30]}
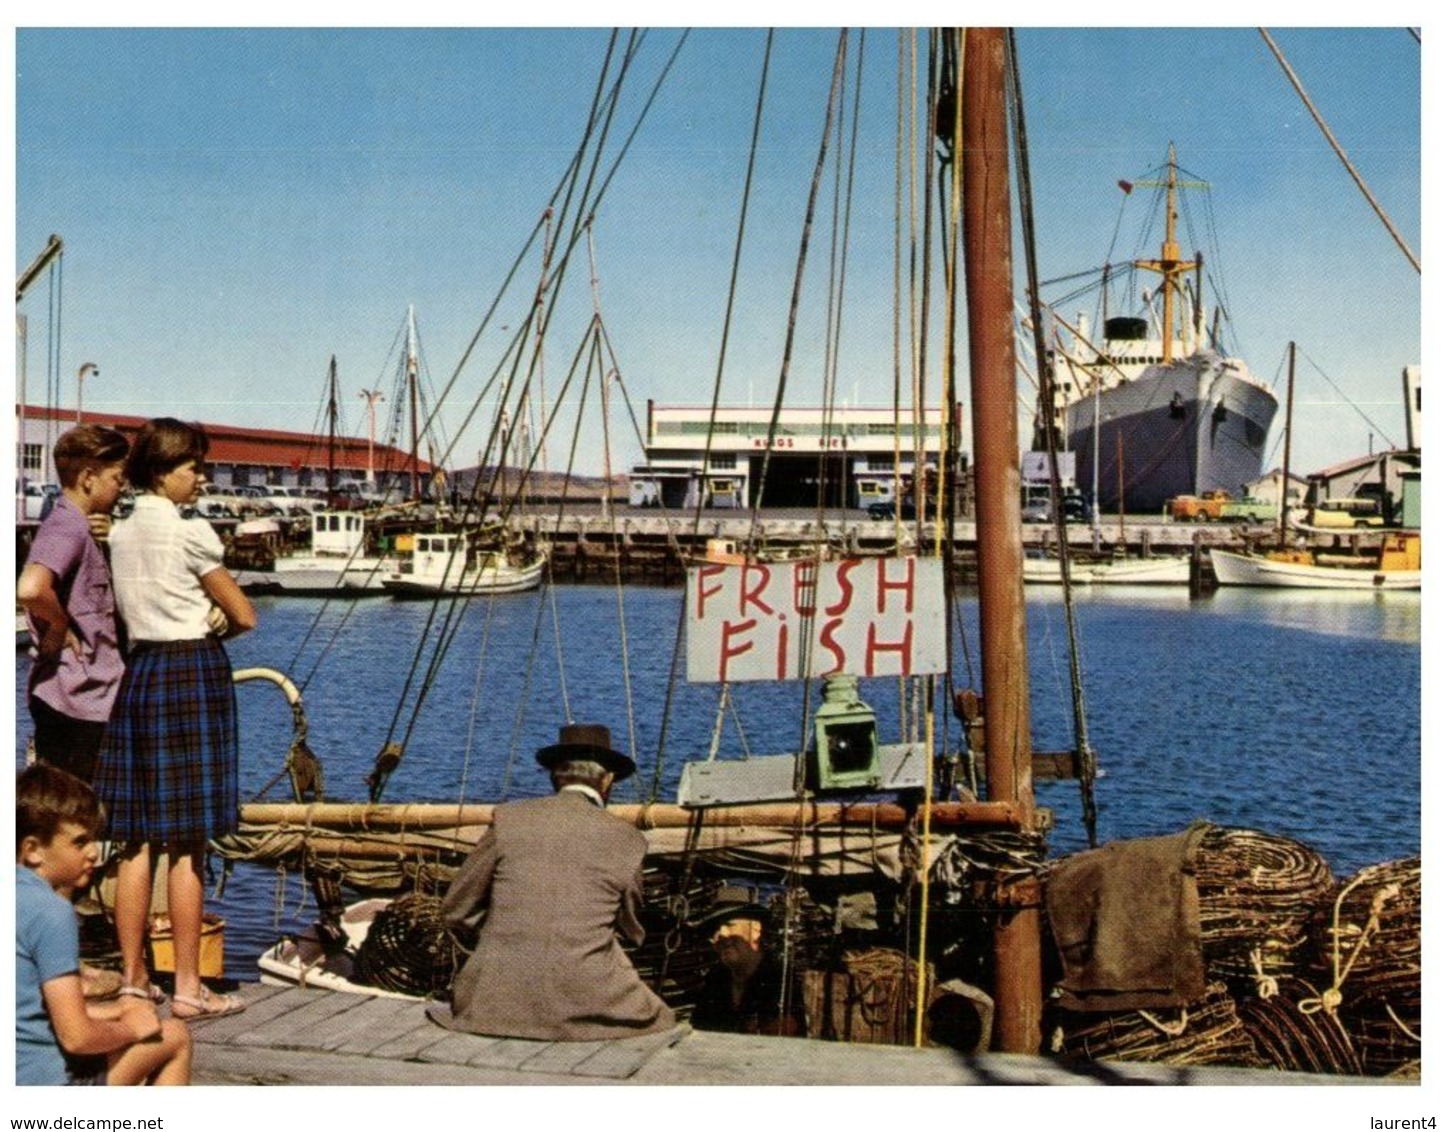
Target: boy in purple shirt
{"type": "Point", "coordinates": [65, 588]}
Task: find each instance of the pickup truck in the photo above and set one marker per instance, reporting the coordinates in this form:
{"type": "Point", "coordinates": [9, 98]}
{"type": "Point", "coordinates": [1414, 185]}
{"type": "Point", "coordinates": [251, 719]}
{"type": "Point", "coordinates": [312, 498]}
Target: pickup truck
{"type": "Point", "coordinates": [1199, 508]}
{"type": "Point", "coordinates": [1249, 509]}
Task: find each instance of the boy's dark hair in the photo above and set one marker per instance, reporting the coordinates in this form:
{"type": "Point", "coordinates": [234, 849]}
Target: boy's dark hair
{"type": "Point", "coordinates": [87, 446]}
{"type": "Point", "coordinates": [46, 796]}
{"type": "Point", "coordinates": [162, 445]}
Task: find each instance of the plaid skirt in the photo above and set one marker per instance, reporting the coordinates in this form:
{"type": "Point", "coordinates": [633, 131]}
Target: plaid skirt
{"type": "Point", "coordinates": [168, 770]}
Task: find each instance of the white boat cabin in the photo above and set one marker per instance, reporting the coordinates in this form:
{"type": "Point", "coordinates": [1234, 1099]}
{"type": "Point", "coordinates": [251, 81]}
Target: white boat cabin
{"type": "Point", "coordinates": [338, 533]}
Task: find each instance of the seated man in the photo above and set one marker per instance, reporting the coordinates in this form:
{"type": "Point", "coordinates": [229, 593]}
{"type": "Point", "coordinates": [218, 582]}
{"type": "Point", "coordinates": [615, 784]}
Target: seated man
{"type": "Point", "coordinates": [743, 993]}
{"type": "Point", "coordinates": [554, 882]}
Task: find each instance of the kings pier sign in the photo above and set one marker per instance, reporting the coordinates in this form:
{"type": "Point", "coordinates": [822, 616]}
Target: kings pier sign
{"type": "Point", "coordinates": [792, 620]}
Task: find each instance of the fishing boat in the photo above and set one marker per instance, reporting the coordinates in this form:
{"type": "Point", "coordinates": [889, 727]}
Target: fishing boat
{"type": "Point", "coordinates": [1153, 409]}
{"type": "Point", "coordinates": [1045, 569]}
{"type": "Point", "coordinates": [432, 564]}
{"type": "Point", "coordinates": [1396, 564]}
{"type": "Point", "coordinates": [895, 869]}
{"type": "Point", "coordinates": [811, 835]}
{"type": "Point", "coordinates": [339, 559]}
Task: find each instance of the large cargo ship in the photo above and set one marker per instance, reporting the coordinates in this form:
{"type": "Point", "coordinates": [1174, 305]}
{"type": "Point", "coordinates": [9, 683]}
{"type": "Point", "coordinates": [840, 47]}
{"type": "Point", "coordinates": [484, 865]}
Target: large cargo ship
{"type": "Point", "coordinates": [1154, 409]}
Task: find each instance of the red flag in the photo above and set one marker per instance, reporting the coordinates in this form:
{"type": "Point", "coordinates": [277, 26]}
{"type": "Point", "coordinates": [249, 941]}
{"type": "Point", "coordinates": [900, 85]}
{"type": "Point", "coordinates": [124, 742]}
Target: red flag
{"type": "Point", "coordinates": [1125, 186]}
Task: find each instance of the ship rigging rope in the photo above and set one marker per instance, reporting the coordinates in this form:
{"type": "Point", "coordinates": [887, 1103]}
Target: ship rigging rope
{"type": "Point", "coordinates": [592, 199]}
{"type": "Point", "coordinates": [729, 306]}
{"type": "Point", "coordinates": [1085, 754]}
{"type": "Point", "coordinates": [1337, 149]}
{"type": "Point", "coordinates": [836, 84]}
{"type": "Point", "coordinates": [842, 202]}
{"type": "Point", "coordinates": [608, 371]}
{"type": "Point", "coordinates": [1349, 401]}
{"type": "Point", "coordinates": [606, 98]}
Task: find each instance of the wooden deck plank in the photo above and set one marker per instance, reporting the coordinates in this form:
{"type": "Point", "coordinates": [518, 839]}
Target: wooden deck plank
{"type": "Point", "coordinates": [364, 1026]}
{"type": "Point", "coordinates": [262, 1003]}
{"type": "Point", "coordinates": [626, 1056]}
{"type": "Point", "coordinates": [456, 1048]}
{"type": "Point", "coordinates": [392, 1042]}
{"type": "Point", "coordinates": [507, 1053]}
{"type": "Point", "coordinates": [408, 1043]}
{"type": "Point", "coordinates": [292, 1029]}
{"type": "Point", "coordinates": [562, 1057]}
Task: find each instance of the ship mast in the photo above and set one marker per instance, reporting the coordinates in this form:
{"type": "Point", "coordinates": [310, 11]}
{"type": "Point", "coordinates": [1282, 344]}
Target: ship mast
{"type": "Point", "coordinates": [1170, 266]}
{"type": "Point", "coordinates": [985, 196]}
{"type": "Point", "coordinates": [331, 429]}
{"type": "Point", "coordinates": [412, 391]}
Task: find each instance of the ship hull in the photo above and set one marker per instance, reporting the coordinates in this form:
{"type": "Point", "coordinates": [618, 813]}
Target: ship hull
{"type": "Point", "coordinates": [312, 575]}
{"type": "Point", "coordinates": [1252, 570]}
{"type": "Point", "coordinates": [494, 578]}
{"type": "Point", "coordinates": [1184, 428]}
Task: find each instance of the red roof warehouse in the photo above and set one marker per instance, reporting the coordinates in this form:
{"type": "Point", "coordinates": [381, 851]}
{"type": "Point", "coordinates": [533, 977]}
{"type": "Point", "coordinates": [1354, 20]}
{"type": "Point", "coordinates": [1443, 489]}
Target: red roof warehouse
{"type": "Point", "coordinates": [239, 456]}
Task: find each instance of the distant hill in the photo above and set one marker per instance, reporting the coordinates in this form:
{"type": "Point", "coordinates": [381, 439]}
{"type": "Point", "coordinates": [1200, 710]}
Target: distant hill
{"type": "Point", "coordinates": [541, 487]}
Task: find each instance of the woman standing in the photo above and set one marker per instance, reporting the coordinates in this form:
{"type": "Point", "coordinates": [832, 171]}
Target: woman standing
{"type": "Point", "coordinates": [168, 771]}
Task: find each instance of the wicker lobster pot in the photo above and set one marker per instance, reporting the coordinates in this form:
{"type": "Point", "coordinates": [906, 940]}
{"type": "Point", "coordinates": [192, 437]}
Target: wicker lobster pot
{"type": "Point", "coordinates": [1257, 895]}
{"type": "Point", "coordinates": [1387, 1043]}
{"type": "Point", "coordinates": [1368, 942]}
{"type": "Point", "coordinates": [1209, 1032]}
{"type": "Point", "coordinates": [1293, 1033]}
{"type": "Point", "coordinates": [409, 949]}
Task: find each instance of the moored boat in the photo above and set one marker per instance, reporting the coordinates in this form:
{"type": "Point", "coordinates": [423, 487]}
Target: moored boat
{"type": "Point", "coordinates": [454, 563]}
{"type": "Point", "coordinates": [308, 961]}
{"type": "Point", "coordinates": [337, 560]}
{"type": "Point", "coordinates": [1126, 571]}
{"type": "Point", "coordinates": [1395, 565]}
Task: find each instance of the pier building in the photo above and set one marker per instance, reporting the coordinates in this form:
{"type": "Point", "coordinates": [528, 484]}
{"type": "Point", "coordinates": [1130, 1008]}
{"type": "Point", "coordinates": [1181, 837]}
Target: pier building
{"type": "Point", "coordinates": [801, 457]}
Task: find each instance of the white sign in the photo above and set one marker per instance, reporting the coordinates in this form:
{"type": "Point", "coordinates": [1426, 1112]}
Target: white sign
{"type": "Point", "coordinates": [787, 620]}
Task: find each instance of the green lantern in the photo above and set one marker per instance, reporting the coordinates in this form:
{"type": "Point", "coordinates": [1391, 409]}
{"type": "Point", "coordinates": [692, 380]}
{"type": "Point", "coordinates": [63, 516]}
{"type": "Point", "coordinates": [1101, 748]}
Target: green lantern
{"type": "Point", "coordinates": [846, 754]}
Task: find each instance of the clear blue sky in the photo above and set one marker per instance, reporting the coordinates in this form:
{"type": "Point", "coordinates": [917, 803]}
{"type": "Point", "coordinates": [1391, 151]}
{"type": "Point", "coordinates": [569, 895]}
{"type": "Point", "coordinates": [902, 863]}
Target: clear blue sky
{"type": "Point", "coordinates": [239, 205]}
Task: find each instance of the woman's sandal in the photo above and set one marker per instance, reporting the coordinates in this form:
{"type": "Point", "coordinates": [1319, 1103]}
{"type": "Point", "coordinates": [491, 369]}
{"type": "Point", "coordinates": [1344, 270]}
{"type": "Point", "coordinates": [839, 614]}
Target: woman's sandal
{"type": "Point", "coordinates": [152, 994]}
{"type": "Point", "coordinates": [205, 1006]}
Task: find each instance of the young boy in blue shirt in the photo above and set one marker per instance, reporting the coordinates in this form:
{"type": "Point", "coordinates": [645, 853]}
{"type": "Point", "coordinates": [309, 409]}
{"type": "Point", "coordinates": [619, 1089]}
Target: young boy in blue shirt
{"type": "Point", "coordinates": [60, 1039]}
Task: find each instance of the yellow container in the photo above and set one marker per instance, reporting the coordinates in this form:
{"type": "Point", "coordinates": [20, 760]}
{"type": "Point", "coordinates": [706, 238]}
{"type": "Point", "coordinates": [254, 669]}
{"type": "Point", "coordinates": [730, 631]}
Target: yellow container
{"type": "Point", "coordinates": [163, 951]}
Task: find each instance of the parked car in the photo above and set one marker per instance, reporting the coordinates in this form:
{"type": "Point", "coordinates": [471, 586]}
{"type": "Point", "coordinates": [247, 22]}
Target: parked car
{"type": "Point", "coordinates": [213, 503]}
{"type": "Point", "coordinates": [292, 500]}
{"type": "Point", "coordinates": [1352, 512]}
{"type": "Point", "coordinates": [885, 509]}
{"type": "Point", "coordinates": [1073, 506]}
{"type": "Point", "coordinates": [37, 496]}
{"type": "Point", "coordinates": [354, 496]}
{"type": "Point", "coordinates": [1037, 507]}
{"type": "Point", "coordinates": [1249, 509]}
{"type": "Point", "coordinates": [1036, 511]}
{"type": "Point", "coordinates": [125, 503]}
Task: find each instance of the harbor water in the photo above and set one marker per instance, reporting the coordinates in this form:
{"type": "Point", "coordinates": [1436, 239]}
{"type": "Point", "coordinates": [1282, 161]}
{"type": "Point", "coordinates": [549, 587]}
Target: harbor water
{"type": "Point", "coordinates": [1294, 713]}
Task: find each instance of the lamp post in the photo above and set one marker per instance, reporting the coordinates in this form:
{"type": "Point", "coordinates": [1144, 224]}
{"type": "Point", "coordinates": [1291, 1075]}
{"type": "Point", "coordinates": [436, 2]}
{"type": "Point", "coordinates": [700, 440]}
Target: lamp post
{"type": "Point", "coordinates": [89, 368]}
{"type": "Point", "coordinates": [372, 396]}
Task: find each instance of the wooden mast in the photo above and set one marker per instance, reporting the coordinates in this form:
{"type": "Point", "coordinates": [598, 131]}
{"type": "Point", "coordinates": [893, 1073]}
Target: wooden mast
{"type": "Point", "coordinates": [331, 428]}
{"type": "Point", "coordinates": [412, 394]}
{"type": "Point", "coordinates": [1287, 444]}
{"type": "Point", "coordinates": [985, 169]}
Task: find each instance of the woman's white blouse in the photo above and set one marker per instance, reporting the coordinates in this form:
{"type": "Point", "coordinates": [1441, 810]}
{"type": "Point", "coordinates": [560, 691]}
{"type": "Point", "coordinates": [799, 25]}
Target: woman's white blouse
{"type": "Point", "coordinates": [157, 562]}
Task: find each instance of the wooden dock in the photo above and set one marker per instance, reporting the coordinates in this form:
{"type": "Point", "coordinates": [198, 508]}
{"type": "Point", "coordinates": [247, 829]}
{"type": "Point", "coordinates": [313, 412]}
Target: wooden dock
{"type": "Point", "coordinates": [306, 1036]}
{"type": "Point", "coordinates": [642, 544]}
